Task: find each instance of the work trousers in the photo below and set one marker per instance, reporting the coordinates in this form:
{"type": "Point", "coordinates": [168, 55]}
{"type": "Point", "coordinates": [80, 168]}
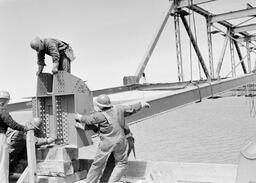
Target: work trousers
{"type": "Point", "coordinates": [119, 151]}
{"type": "Point", "coordinates": [64, 63]}
{"type": "Point", "coordinates": [17, 148]}
{"type": "Point", "coordinates": [4, 160]}
{"type": "Point", "coordinates": [66, 56]}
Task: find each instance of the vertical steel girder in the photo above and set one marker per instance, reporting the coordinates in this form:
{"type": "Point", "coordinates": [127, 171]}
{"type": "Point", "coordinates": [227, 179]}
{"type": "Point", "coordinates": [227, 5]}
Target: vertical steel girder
{"type": "Point", "coordinates": [248, 56]}
{"type": "Point", "coordinates": [221, 57]}
{"type": "Point", "coordinates": [209, 39]}
{"type": "Point", "coordinates": [178, 47]}
{"type": "Point", "coordinates": [232, 56]}
{"type": "Point", "coordinates": [192, 39]}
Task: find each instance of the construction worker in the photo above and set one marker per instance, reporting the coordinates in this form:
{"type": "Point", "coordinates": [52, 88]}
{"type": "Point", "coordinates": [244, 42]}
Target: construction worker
{"type": "Point", "coordinates": [5, 122]}
{"type": "Point", "coordinates": [112, 127]}
{"type": "Point", "coordinates": [16, 141]}
{"type": "Point", "coordinates": [61, 53]}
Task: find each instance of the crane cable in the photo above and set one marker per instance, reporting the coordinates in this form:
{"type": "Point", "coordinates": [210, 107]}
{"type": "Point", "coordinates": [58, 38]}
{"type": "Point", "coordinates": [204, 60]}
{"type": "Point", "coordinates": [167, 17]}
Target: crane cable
{"type": "Point", "coordinates": [195, 31]}
{"type": "Point", "coordinates": [190, 3]}
{"type": "Point", "coordinates": [252, 101]}
{"type": "Point", "coordinates": [190, 47]}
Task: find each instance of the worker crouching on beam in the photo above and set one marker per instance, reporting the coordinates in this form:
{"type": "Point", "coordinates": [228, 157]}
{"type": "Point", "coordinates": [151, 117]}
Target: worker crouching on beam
{"type": "Point", "coordinates": [112, 127]}
{"type": "Point", "coordinates": [61, 53]}
{"type": "Point", "coordinates": [5, 122]}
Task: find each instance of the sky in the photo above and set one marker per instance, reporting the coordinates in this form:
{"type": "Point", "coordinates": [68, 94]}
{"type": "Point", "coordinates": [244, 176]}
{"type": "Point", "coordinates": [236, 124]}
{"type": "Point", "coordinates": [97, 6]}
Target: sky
{"type": "Point", "coordinates": [109, 39]}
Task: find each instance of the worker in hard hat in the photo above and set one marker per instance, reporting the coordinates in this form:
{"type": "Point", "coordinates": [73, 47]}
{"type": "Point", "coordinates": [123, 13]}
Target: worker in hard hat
{"type": "Point", "coordinates": [5, 122]}
{"type": "Point", "coordinates": [112, 127]}
{"type": "Point", "coordinates": [61, 53]}
{"type": "Point", "coordinates": [16, 141]}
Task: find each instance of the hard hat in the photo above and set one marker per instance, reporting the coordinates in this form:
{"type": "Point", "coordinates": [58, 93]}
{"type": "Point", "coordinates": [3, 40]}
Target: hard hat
{"type": "Point", "coordinates": [103, 101]}
{"type": "Point", "coordinates": [36, 44]}
{"type": "Point", "coordinates": [5, 95]}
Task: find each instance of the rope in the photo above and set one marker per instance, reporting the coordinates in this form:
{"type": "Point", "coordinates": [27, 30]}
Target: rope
{"type": "Point", "coordinates": [144, 82]}
{"type": "Point", "coordinates": [199, 91]}
{"type": "Point", "coordinates": [190, 46]}
{"type": "Point", "coordinates": [237, 65]}
{"type": "Point", "coordinates": [212, 95]}
{"type": "Point", "coordinates": [252, 107]}
{"type": "Point", "coordinates": [194, 24]}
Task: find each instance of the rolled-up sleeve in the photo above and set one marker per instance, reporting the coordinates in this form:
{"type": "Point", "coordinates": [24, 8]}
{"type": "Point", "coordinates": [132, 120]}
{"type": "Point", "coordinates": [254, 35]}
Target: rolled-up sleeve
{"type": "Point", "coordinates": [95, 118]}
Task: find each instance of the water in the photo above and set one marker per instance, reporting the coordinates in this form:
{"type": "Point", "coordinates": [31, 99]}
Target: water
{"type": "Point", "coordinates": [212, 131]}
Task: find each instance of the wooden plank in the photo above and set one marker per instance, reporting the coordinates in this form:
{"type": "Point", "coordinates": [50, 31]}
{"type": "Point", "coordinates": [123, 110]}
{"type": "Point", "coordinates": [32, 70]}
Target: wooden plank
{"type": "Point", "coordinates": [61, 168]}
{"type": "Point", "coordinates": [68, 179]}
{"type": "Point", "coordinates": [57, 168]}
{"type": "Point", "coordinates": [24, 176]}
{"type": "Point", "coordinates": [31, 155]}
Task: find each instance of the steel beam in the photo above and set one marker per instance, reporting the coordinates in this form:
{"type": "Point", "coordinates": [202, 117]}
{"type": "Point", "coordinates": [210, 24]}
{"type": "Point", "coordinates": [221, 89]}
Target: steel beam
{"type": "Point", "coordinates": [248, 56]}
{"type": "Point", "coordinates": [240, 56]}
{"type": "Point", "coordinates": [193, 41]}
{"type": "Point", "coordinates": [185, 3]}
{"type": "Point", "coordinates": [233, 15]}
{"type": "Point", "coordinates": [152, 46]}
{"type": "Point", "coordinates": [232, 57]}
{"type": "Point", "coordinates": [207, 14]}
{"type": "Point", "coordinates": [165, 102]}
{"type": "Point", "coordinates": [249, 38]}
{"type": "Point", "coordinates": [244, 28]}
{"type": "Point", "coordinates": [209, 40]}
{"type": "Point", "coordinates": [222, 56]}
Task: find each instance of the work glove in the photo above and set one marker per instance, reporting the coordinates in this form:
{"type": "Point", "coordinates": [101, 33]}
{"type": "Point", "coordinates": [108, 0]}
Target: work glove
{"type": "Point", "coordinates": [145, 104]}
{"type": "Point", "coordinates": [80, 125]}
{"type": "Point", "coordinates": [44, 141]}
{"type": "Point", "coordinates": [51, 140]}
{"type": "Point", "coordinates": [34, 124]}
{"type": "Point", "coordinates": [94, 128]}
{"type": "Point", "coordinates": [78, 117]}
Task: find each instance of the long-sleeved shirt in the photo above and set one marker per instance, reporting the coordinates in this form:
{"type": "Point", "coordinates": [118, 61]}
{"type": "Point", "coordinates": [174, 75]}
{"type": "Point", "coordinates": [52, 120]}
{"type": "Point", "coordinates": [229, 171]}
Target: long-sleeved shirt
{"type": "Point", "coordinates": [7, 121]}
{"type": "Point", "coordinates": [52, 47]}
{"type": "Point", "coordinates": [98, 118]}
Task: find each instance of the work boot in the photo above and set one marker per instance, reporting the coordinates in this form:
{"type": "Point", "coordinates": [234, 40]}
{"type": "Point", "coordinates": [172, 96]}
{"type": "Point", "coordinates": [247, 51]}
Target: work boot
{"type": "Point", "coordinates": [55, 68]}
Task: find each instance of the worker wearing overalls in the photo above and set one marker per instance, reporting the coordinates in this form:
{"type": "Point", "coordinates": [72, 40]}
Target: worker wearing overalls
{"type": "Point", "coordinates": [5, 122]}
{"type": "Point", "coordinates": [112, 125]}
{"type": "Point", "coordinates": [61, 53]}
